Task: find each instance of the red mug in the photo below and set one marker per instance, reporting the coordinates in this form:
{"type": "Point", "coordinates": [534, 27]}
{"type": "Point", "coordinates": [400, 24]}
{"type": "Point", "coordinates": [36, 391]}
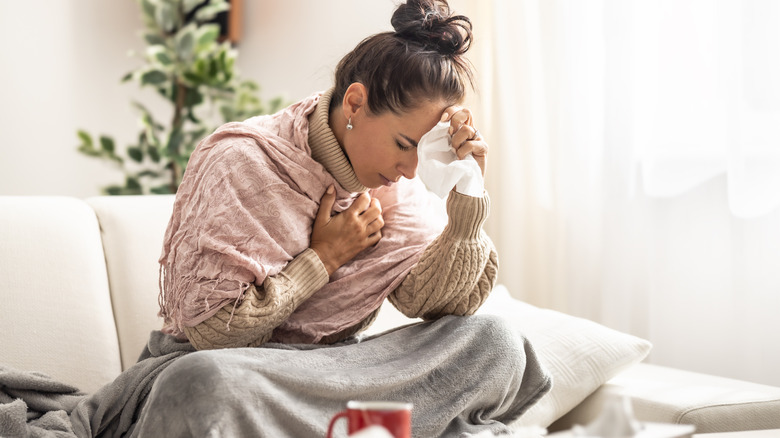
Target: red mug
{"type": "Point", "coordinates": [396, 417]}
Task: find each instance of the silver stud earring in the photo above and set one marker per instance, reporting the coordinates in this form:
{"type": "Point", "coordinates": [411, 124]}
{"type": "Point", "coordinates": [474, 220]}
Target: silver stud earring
{"type": "Point", "coordinates": [349, 124]}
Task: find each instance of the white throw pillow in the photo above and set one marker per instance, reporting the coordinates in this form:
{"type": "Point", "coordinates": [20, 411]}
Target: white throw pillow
{"type": "Point", "coordinates": [579, 354]}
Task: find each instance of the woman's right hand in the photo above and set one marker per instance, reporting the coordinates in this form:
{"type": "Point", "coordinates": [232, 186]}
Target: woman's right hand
{"type": "Point", "coordinates": [338, 239]}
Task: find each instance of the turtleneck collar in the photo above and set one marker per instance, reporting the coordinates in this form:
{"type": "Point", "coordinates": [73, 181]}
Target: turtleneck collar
{"type": "Point", "coordinates": [326, 150]}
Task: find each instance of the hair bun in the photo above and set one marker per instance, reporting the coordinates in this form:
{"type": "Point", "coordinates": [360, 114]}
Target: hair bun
{"type": "Point", "coordinates": [431, 24]}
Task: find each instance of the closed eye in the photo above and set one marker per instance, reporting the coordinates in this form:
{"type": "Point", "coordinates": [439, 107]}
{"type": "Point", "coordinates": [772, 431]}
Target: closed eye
{"type": "Point", "coordinates": [401, 146]}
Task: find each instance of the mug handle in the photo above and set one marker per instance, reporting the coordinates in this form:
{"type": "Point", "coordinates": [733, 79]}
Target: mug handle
{"type": "Point", "coordinates": [342, 414]}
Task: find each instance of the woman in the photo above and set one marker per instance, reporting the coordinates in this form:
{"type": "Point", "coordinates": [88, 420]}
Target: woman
{"type": "Point", "coordinates": [289, 231]}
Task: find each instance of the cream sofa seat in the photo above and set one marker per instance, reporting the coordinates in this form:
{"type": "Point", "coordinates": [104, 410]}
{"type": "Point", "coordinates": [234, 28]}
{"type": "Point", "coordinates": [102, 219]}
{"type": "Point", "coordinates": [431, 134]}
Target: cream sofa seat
{"type": "Point", "coordinates": [669, 395]}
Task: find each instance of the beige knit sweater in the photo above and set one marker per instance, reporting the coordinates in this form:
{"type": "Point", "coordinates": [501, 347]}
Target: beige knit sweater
{"type": "Point", "coordinates": [453, 277]}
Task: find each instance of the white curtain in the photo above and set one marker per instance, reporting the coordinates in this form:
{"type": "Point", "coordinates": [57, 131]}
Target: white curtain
{"type": "Point", "coordinates": [635, 168]}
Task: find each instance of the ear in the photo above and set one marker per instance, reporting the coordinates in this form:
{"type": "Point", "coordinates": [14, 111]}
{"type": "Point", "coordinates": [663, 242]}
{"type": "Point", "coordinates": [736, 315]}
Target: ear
{"type": "Point", "coordinates": [355, 99]}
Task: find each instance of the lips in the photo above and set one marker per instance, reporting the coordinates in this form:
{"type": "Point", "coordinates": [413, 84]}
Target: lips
{"type": "Point", "coordinates": [386, 181]}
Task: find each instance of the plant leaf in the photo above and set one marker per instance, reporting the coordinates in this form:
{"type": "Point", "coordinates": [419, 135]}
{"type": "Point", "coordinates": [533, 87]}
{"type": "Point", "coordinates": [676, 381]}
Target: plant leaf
{"type": "Point", "coordinates": [192, 79]}
{"type": "Point", "coordinates": [153, 77]}
{"type": "Point", "coordinates": [160, 54]}
{"type": "Point", "coordinates": [164, 189]}
{"type": "Point", "coordinates": [208, 13]}
{"type": "Point", "coordinates": [193, 97]}
{"type": "Point", "coordinates": [148, 173]}
{"type": "Point", "coordinates": [206, 36]}
{"type": "Point", "coordinates": [131, 184]}
{"type": "Point", "coordinates": [135, 153]}
{"type": "Point", "coordinates": [185, 42]}
{"type": "Point", "coordinates": [154, 39]}
{"type": "Point", "coordinates": [154, 154]}
{"type": "Point", "coordinates": [189, 5]}
{"type": "Point", "coordinates": [276, 105]}
{"type": "Point", "coordinates": [148, 8]}
{"type": "Point", "coordinates": [164, 15]}
{"type": "Point", "coordinates": [107, 144]}
{"type": "Point", "coordinates": [113, 190]}
{"type": "Point", "coordinates": [86, 139]}
{"type": "Point", "coordinates": [174, 141]}
{"type": "Point", "coordinates": [163, 58]}
{"type": "Point", "coordinates": [191, 117]}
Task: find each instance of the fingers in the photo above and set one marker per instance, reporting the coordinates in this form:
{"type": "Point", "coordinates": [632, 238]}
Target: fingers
{"type": "Point", "coordinates": [366, 206]}
{"type": "Point", "coordinates": [463, 134]}
{"type": "Point", "coordinates": [467, 140]}
{"type": "Point", "coordinates": [360, 204]}
{"type": "Point", "coordinates": [457, 116]}
{"type": "Point", "coordinates": [338, 239]}
{"type": "Point", "coordinates": [374, 209]}
{"type": "Point", "coordinates": [475, 147]}
{"type": "Point", "coordinates": [375, 225]}
{"type": "Point", "coordinates": [461, 125]}
{"type": "Point", "coordinates": [462, 129]}
{"type": "Point", "coordinates": [326, 205]}
{"type": "Point", "coordinates": [365, 216]}
{"type": "Point", "coordinates": [369, 218]}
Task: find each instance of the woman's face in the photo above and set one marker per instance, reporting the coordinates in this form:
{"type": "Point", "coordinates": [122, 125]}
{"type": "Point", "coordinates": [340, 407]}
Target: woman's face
{"type": "Point", "coordinates": [383, 148]}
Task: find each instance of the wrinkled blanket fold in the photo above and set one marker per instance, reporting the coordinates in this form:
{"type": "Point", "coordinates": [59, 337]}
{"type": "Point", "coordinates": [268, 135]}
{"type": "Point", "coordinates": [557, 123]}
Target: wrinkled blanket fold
{"type": "Point", "coordinates": [465, 374]}
{"type": "Point", "coordinates": [60, 410]}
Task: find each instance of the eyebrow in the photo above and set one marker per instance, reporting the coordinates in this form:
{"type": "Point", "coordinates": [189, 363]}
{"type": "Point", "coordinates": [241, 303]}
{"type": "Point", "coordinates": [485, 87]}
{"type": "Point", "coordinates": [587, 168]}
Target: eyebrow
{"type": "Point", "coordinates": [411, 141]}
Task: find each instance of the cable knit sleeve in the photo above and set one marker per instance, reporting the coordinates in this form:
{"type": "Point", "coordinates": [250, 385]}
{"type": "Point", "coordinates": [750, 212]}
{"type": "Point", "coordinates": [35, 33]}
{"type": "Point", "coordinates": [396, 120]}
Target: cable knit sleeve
{"type": "Point", "coordinates": [458, 269]}
{"type": "Point", "coordinates": [254, 319]}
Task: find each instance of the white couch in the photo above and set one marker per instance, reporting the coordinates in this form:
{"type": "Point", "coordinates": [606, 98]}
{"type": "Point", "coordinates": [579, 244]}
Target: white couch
{"type": "Point", "coordinates": [79, 285]}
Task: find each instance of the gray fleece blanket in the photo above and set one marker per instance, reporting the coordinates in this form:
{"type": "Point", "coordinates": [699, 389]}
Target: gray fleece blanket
{"type": "Point", "coordinates": [465, 375]}
{"type": "Point", "coordinates": [35, 405]}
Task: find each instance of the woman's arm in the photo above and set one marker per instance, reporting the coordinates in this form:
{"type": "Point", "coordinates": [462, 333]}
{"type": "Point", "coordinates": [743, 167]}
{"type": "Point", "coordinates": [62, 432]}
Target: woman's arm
{"type": "Point", "coordinates": [334, 241]}
{"type": "Point", "coordinates": [458, 269]}
{"type": "Point", "coordinates": [262, 309]}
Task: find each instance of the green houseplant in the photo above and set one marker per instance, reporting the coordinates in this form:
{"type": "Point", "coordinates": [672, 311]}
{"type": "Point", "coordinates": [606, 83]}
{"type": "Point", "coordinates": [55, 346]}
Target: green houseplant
{"type": "Point", "coordinates": [189, 65]}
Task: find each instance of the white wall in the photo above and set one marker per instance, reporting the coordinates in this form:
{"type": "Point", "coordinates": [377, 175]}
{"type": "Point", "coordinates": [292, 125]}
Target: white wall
{"type": "Point", "coordinates": [292, 47]}
{"type": "Point", "coordinates": [63, 59]}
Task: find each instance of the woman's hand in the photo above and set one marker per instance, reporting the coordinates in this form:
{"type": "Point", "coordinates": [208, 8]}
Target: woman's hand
{"type": "Point", "coordinates": [338, 239]}
{"type": "Point", "coordinates": [465, 137]}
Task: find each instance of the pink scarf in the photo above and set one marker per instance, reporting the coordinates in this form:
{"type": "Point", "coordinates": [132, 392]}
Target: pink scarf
{"type": "Point", "coordinates": [245, 209]}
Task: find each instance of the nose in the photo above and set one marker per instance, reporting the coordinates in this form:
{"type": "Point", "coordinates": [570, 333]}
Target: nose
{"type": "Point", "coordinates": [408, 166]}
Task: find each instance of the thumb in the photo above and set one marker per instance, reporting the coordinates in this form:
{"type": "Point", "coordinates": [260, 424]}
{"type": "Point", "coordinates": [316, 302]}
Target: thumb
{"type": "Point", "coordinates": [326, 204]}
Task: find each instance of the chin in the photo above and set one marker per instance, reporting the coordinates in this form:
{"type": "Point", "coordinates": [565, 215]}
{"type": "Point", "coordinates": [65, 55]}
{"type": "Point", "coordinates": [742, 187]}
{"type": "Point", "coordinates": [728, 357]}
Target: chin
{"type": "Point", "coordinates": [371, 184]}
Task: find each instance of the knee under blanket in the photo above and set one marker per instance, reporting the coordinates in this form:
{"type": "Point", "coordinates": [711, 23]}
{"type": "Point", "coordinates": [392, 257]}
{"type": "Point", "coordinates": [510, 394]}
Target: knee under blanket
{"type": "Point", "coordinates": [464, 375]}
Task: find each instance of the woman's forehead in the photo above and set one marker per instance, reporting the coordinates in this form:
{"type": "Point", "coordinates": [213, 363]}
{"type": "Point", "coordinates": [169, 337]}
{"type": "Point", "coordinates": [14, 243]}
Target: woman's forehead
{"type": "Point", "coordinates": [415, 122]}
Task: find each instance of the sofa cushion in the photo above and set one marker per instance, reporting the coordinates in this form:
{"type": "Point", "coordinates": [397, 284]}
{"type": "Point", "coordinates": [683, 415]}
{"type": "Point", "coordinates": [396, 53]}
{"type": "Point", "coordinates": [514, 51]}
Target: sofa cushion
{"type": "Point", "coordinates": [133, 228]}
{"type": "Point", "coordinates": [56, 313]}
{"type": "Point", "coordinates": [579, 354]}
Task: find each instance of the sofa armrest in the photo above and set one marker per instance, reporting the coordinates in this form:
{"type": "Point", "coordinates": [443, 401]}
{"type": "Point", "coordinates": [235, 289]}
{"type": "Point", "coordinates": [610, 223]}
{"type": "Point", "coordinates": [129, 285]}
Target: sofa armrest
{"type": "Point", "coordinates": [669, 395]}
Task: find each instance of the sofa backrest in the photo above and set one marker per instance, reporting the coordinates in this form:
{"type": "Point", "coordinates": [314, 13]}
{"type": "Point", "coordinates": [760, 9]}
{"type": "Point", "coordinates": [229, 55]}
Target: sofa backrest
{"type": "Point", "coordinates": [133, 228]}
{"type": "Point", "coordinates": [55, 307]}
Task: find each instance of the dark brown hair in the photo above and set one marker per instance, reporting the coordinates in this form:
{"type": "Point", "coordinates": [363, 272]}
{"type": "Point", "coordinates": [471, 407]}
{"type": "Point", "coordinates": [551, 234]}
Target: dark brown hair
{"type": "Point", "coordinates": [421, 60]}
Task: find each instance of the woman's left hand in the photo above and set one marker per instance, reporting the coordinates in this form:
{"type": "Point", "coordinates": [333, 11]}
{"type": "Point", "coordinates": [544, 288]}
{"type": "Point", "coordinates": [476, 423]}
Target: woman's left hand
{"type": "Point", "coordinates": [465, 137]}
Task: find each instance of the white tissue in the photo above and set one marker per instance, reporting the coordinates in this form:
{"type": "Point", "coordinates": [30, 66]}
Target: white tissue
{"type": "Point", "coordinates": [441, 170]}
{"type": "Point", "coordinates": [617, 421]}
